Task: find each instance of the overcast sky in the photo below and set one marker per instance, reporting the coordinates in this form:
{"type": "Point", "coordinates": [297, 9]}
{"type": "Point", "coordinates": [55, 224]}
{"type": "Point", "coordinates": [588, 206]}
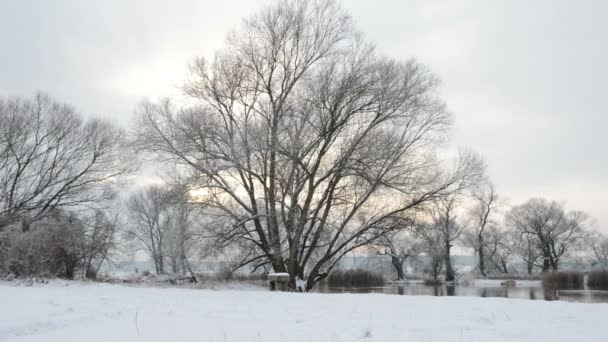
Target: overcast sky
{"type": "Point", "coordinates": [526, 80]}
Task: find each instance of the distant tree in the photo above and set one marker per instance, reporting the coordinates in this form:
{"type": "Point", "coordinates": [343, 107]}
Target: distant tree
{"type": "Point", "coordinates": [597, 244]}
{"type": "Point", "coordinates": [50, 158]}
{"type": "Point", "coordinates": [450, 228]}
{"type": "Point", "coordinates": [432, 247]}
{"type": "Point", "coordinates": [100, 241]}
{"type": "Point", "coordinates": [301, 131]}
{"type": "Point", "coordinates": [500, 248]}
{"type": "Point", "coordinates": [548, 228]}
{"type": "Point", "coordinates": [150, 221]}
{"type": "Point", "coordinates": [399, 246]}
{"type": "Point", "coordinates": [164, 220]}
{"type": "Point", "coordinates": [526, 248]}
{"type": "Point", "coordinates": [183, 227]}
{"type": "Point", "coordinates": [486, 205]}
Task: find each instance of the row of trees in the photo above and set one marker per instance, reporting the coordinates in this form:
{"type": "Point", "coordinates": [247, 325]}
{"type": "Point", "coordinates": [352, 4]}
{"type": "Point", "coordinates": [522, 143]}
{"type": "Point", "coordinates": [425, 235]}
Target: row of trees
{"type": "Point", "coordinates": [165, 223]}
{"type": "Point", "coordinates": [539, 234]}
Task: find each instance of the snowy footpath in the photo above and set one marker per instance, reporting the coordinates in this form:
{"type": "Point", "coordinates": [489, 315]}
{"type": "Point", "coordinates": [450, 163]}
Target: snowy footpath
{"type": "Point", "coordinates": [99, 312]}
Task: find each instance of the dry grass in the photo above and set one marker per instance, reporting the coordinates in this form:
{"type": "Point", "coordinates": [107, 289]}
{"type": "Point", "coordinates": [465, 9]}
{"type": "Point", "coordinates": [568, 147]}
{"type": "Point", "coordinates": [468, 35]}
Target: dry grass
{"type": "Point", "coordinates": [355, 277]}
{"type": "Point", "coordinates": [515, 276]}
{"type": "Point", "coordinates": [563, 280]}
{"type": "Point", "coordinates": [432, 282]}
{"type": "Point", "coordinates": [598, 280]}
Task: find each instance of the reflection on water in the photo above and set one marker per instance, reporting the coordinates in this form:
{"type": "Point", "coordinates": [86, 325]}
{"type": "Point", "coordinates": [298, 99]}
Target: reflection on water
{"type": "Point", "coordinates": [520, 292]}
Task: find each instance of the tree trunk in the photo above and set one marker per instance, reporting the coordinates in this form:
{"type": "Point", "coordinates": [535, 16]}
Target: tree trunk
{"type": "Point", "coordinates": [161, 265]}
{"type": "Point", "coordinates": [398, 264]}
{"type": "Point", "coordinates": [546, 264]}
{"type": "Point", "coordinates": [174, 267]}
{"type": "Point", "coordinates": [449, 271]}
{"type": "Point", "coordinates": [482, 266]}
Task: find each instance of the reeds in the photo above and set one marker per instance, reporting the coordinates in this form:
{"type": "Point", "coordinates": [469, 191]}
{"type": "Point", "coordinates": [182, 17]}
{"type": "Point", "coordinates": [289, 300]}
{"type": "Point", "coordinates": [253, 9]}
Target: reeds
{"type": "Point", "coordinates": [355, 277]}
{"type": "Point", "coordinates": [563, 280]}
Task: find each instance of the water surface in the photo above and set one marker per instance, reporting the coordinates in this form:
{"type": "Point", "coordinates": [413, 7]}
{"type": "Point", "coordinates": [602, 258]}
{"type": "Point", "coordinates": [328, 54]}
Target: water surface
{"type": "Point", "coordinates": [518, 292]}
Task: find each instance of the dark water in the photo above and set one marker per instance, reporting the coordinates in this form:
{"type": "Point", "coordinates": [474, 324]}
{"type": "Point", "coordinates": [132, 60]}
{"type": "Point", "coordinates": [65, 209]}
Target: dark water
{"type": "Point", "coordinates": [519, 292]}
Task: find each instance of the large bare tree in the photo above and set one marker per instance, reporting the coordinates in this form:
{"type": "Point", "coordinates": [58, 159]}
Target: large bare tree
{"type": "Point", "coordinates": [551, 230]}
{"type": "Point", "coordinates": [306, 140]}
{"type": "Point", "coordinates": [51, 158]}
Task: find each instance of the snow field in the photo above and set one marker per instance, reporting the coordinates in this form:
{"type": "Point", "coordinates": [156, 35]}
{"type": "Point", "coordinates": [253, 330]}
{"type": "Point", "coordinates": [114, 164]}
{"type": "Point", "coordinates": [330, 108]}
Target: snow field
{"type": "Point", "coordinates": [100, 312]}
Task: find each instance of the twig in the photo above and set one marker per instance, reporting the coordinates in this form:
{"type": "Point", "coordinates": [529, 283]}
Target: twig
{"type": "Point", "coordinates": [136, 324]}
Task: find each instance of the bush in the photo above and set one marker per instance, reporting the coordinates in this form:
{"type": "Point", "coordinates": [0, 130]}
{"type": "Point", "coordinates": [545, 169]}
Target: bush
{"type": "Point", "coordinates": [355, 277]}
{"type": "Point", "coordinates": [58, 245]}
{"type": "Point", "coordinates": [563, 280]}
{"type": "Point", "coordinates": [598, 280]}
{"type": "Point", "coordinates": [432, 282]}
{"type": "Point", "coordinates": [226, 276]}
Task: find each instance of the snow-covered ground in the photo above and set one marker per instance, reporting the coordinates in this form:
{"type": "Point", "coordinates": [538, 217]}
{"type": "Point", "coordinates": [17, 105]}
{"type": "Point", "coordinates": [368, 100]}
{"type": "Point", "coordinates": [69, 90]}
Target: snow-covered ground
{"type": "Point", "coordinates": [60, 312]}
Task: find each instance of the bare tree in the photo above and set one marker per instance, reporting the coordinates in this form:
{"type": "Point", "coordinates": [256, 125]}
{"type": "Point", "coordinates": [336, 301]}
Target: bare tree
{"type": "Point", "coordinates": [485, 207]}
{"type": "Point", "coordinates": [399, 246]}
{"type": "Point", "coordinates": [526, 248]}
{"type": "Point", "coordinates": [50, 158]}
{"type": "Point", "coordinates": [499, 246]}
{"type": "Point", "coordinates": [598, 246]}
{"type": "Point", "coordinates": [450, 228]}
{"type": "Point", "coordinates": [550, 229]}
{"type": "Point", "coordinates": [432, 247]}
{"type": "Point", "coordinates": [99, 239]}
{"type": "Point", "coordinates": [303, 133]}
{"type": "Point", "coordinates": [150, 222]}
{"type": "Point", "coordinates": [182, 232]}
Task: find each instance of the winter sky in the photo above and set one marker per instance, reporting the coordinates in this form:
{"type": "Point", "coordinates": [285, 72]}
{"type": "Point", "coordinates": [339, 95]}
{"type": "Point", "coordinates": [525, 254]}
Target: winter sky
{"type": "Point", "coordinates": [524, 79]}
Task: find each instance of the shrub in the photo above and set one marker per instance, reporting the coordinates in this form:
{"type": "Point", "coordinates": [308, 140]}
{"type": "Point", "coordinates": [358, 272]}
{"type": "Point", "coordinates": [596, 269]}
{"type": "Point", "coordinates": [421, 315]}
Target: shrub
{"type": "Point", "coordinates": [563, 280]}
{"type": "Point", "coordinates": [432, 281]}
{"type": "Point", "coordinates": [598, 280]}
{"type": "Point", "coordinates": [355, 277]}
{"type": "Point", "coordinates": [60, 244]}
